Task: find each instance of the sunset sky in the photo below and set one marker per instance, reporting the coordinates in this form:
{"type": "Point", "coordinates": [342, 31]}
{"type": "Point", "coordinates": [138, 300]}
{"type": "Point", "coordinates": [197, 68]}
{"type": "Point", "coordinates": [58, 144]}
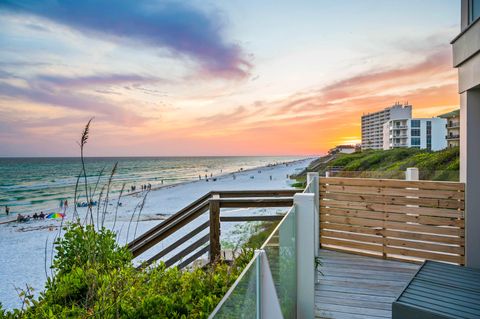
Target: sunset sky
{"type": "Point", "coordinates": [211, 77]}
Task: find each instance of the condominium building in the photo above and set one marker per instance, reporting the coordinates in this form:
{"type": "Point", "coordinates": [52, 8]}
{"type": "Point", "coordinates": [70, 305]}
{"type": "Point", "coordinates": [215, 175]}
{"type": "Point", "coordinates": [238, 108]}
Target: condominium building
{"type": "Point", "coordinates": [372, 124]}
{"type": "Point", "coordinates": [453, 128]}
{"type": "Point", "coordinates": [418, 133]}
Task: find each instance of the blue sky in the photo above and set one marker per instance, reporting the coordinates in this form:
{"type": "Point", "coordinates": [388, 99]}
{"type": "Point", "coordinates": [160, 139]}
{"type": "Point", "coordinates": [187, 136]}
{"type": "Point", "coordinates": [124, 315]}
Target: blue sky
{"type": "Point", "coordinates": [215, 78]}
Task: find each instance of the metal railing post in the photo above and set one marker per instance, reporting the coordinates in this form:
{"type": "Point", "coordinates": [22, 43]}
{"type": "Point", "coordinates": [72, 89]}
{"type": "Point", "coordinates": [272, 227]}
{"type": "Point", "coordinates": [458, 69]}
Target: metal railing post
{"type": "Point", "coordinates": [215, 249]}
{"type": "Point", "coordinates": [313, 180]}
{"type": "Point", "coordinates": [412, 174]}
{"type": "Point", "coordinates": [267, 302]}
{"type": "Point", "coordinates": [258, 265]}
{"type": "Point", "coordinates": [304, 208]}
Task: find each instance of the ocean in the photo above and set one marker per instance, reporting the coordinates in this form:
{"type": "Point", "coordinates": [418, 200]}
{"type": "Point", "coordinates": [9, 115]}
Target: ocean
{"type": "Point", "coordinates": [29, 185]}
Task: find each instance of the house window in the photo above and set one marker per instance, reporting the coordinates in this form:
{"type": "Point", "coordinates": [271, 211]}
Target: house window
{"type": "Point", "coordinates": [415, 123]}
{"type": "Point", "coordinates": [415, 132]}
{"type": "Point", "coordinates": [429, 135]}
{"type": "Point", "coordinates": [474, 10]}
{"type": "Point", "coordinates": [415, 141]}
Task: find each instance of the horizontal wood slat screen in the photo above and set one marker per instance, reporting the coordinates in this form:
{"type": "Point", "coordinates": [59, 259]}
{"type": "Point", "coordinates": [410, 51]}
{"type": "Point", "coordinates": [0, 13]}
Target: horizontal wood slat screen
{"type": "Point", "coordinates": [393, 219]}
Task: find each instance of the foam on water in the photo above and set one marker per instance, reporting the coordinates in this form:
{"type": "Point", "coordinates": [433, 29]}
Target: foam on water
{"type": "Point", "coordinates": [34, 184]}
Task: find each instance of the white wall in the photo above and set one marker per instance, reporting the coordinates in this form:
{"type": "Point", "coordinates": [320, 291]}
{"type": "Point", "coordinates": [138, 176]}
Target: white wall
{"type": "Point", "coordinates": [438, 134]}
{"type": "Point", "coordinates": [386, 135]}
{"type": "Point", "coordinates": [470, 172]}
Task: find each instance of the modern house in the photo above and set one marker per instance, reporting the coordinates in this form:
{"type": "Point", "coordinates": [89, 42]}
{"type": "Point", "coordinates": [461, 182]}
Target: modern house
{"type": "Point", "coordinates": [425, 133]}
{"type": "Point", "coordinates": [466, 58]}
{"type": "Point", "coordinates": [372, 124]}
{"type": "Point", "coordinates": [370, 234]}
{"type": "Point", "coordinates": [453, 128]}
{"type": "Point", "coordinates": [343, 149]}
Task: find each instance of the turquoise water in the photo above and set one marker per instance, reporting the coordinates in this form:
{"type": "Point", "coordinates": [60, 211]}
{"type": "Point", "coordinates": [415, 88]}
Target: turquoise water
{"type": "Point", "coordinates": [33, 184]}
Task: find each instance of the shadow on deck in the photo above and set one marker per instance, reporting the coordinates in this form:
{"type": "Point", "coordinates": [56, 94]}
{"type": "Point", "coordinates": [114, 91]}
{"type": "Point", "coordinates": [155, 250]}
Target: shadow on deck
{"type": "Point", "coordinates": [357, 287]}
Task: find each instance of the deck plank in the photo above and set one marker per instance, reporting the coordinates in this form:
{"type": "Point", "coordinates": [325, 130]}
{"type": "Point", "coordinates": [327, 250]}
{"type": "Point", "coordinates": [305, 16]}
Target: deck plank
{"type": "Point", "coordinates": [358, 287]}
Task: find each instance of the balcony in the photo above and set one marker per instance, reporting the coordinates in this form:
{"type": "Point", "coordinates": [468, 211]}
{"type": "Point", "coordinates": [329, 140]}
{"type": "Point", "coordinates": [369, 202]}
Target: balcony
{"type": "Point", "coordinates": [398, 145]}
{"type": "Point", "coordinates": [452, 125]}
{"type": "Point", "coordinates": [399, 136]}
{"type": "Point", "coordinates": [452, 137]}
{"type": "Point", "coordinates": [399, 127]}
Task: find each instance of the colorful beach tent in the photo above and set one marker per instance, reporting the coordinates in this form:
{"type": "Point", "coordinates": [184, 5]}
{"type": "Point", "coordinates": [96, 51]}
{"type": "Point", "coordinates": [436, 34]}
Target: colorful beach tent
{"type": "Point", "coordinates": [55, 215]}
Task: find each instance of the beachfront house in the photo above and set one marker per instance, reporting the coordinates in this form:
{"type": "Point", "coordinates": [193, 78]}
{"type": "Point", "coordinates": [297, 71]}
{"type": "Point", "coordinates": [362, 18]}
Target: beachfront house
{"type": "Point", "coordinates": [372, 235]}
{"type": "Point", "coordinates": [343, 149]}
{"type": "Point", "coordinates": [466, 58]}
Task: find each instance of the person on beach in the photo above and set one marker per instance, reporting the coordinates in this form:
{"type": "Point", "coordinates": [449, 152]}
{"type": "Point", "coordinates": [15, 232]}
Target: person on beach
{"type": "Point", "coordinates": [7, 210]}
{"type": "Point", "coordinates": [35, 216]}
{"type": "Point", "coordinates": [41, 216]}
{"type": "Point", "coordinates": [270, 177]}
{"type": "Point", "coordinates": [199, 177]}
{"type": "Point", "coordinates": [65, 204]}
{"type": "Point", "coordinates": [61, 203]}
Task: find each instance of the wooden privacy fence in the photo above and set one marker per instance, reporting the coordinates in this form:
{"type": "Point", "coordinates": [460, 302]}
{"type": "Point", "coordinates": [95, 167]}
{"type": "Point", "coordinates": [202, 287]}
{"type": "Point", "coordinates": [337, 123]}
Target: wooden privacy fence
{"type": "Point", "coordinates": [394, 219]}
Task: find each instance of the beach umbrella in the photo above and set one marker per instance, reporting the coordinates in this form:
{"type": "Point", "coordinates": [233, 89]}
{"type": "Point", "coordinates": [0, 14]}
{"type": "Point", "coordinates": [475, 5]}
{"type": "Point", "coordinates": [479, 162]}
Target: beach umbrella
{"type": "Point", "coordinates": [55, 215]}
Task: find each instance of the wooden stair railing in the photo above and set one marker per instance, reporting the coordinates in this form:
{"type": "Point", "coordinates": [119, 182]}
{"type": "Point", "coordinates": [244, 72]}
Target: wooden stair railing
{"type": "Point", "coordinates": [211, 202]}
{"type": "Point", "coordinates": [135, 244]}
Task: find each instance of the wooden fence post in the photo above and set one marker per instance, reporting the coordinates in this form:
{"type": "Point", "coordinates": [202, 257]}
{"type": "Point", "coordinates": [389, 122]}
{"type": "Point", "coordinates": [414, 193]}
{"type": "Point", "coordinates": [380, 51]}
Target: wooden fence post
{"type": "Point", "coordinates": [215, 249]}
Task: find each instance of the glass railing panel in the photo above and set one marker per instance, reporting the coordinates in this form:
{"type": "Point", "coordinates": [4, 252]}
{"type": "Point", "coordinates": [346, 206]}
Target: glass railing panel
{"type": "Point", "coordinates": [308, 188]}
{"type": "Point", "coordinates": [241, 300]}
{"type": "Point", "coordinates": [280, 250]}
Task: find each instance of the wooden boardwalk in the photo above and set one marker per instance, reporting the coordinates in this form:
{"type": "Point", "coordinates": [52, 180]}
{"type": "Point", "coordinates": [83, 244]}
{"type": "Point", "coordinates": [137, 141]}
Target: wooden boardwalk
{"type": "Point", "coordinates": [357, 287]}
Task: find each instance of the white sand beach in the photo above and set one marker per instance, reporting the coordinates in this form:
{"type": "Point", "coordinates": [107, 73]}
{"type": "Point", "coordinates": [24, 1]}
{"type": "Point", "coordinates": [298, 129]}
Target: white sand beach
{"type": "Point", "coordinates": [24, 245]}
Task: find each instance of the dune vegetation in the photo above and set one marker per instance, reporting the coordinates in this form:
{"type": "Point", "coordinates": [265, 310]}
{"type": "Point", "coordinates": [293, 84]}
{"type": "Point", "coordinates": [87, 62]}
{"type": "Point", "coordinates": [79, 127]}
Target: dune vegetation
{"type": "Point", "coordinates": [440, 165]}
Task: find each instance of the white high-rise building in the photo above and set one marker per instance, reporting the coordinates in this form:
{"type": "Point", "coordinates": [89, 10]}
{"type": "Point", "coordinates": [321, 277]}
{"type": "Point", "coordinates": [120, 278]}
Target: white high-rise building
{"type": "Point", "coordinates": [418, 133]}
{"type": "Point", "coordinates": [372, 124]}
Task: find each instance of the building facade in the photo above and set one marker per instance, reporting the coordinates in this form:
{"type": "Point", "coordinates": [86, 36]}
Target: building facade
{"type": "Point", "coordinates": [466, 58]}
{"type": "Point", "coordinates": [453, 128]}
{"type": "Point", "coordinates": [426, 134]}
{"type": "Point", "coordinates": [372, 124]}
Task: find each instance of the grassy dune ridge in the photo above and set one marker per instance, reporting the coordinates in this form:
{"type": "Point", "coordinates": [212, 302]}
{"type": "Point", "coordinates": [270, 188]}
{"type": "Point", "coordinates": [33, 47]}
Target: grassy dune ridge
{"type": "Point", "coordinates": [440, 165]}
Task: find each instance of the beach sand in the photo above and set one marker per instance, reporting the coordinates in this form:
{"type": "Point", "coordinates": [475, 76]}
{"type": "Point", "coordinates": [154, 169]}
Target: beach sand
{"type": "Point", "coordinates": [24, 245]}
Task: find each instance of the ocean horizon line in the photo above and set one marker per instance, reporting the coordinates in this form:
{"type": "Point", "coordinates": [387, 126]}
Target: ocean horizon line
{"type": "Point", "coordinates": [162, 156]}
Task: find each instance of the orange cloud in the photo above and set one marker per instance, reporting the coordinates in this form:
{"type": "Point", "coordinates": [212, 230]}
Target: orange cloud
{"type": "Point", "coordinates": [312, 122]}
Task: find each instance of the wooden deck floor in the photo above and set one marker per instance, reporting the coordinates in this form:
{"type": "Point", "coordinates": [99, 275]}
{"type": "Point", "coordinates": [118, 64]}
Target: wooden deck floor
{"type": "Point", "coordinates": [357, 287]}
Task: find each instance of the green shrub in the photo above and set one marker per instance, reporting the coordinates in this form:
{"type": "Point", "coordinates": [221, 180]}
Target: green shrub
{"type": "Point", "coordinates": [95, 278]}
